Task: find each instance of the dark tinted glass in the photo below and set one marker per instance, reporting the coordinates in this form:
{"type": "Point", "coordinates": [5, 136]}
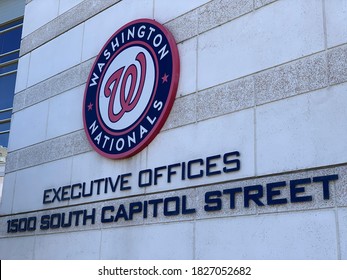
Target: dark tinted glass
{"type": "Point", "coordinates": [4, 126]}
{"type": "Point", "coordinates": [7, 84]}
{"type": "Point", "coordinates": [9, 57]}
{"type": "Point", "coordinates": [10, 40]}
{"type": "Point", "coordinates": [8, 68]}
{"type": "Point", "coordinates": [5, 115]}
{"type": "Point", "coordinates": [11, 24]}
{"type": "Point", "coordinates": [4, 139]}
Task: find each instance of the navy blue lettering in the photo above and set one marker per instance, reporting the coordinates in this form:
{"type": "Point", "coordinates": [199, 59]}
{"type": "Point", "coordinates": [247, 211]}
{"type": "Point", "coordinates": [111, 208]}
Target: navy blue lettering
{"type": "Point", "coordinates": [295, 190]}
{"type": "Point", "coordinates": [65, 224]}
{"type": "Point", "coordinates": [210, 165]}
{"type": "Point", "coordinates": [200, 162]}
{"type": "Point", "coordinates": [134, 207]}
{"type": "Point", "coordinates": [271, 192]}
{"type": "Point", "coordinates": [229, 159]}
{"type": "Point", "coordinates": [77, 213]}
{"type": "Point", "coordinates": [98, 181]}
{"type": "Point", "coordinates": [213, 198]}
{"type": "Point", "coordinates": [155, 203]}
{"type": "Point", "coordinates": [157, 174]}
{"type": "Point", "coordinates": [326, 187]}
{"type": "Point", "coordinates": [84, 194]}
{"type": "Point", "coordinates": [171, 172]}
{"type": "Point", "coordinates": [89, 217]}
{"type": "Point", "coordinates": [55, 217]}
{"type": "Point", "coordinates": [143, 173]}
{"type": "Point", "coordinates": [73, 196]}
{"type": "Point", "coordinates": [103, 214]}
{"type": "Point", "coordinates": [56, 194]}
{"type": "Point", "coordinates": [256, 196]}
{"type": "Point", "coordinates": [124, 181]}
{"type": "Point", "coordinates": [114, 186]}
{"type": "Point", "coordinates": [185, 210]}
{"type": "Point", "coordinates": [232, 193]}
{"type": "Point", "coordinates": [175, 200]}
{"type": "Point", "coordinates": [121, 213]}
{"type": "Point", "coordinates": [46, 196]}
{"type": "Point", "coordinates": [65, 193]}
{"type": "Point", "coordinates": [45, 222]}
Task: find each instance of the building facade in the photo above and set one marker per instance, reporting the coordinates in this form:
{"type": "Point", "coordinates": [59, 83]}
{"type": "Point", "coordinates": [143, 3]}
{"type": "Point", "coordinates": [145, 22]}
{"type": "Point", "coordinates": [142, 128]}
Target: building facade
{"type": "Point", "coordinates": [250, 163]}
{"type": "Point", "coordinates": [11, 22]}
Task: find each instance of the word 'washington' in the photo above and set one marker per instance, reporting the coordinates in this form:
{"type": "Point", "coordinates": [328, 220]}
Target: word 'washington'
{"type": "Point", "coordinates": [227, 199]}
{"type": "Point", "coordinates": [150, 34]}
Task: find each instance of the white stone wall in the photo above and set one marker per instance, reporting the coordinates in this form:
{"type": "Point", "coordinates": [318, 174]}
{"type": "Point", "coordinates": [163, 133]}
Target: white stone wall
{"type": "Point", "coordinates": [1, 182]}
{"type": "Point", "coordinates": [267, 78]}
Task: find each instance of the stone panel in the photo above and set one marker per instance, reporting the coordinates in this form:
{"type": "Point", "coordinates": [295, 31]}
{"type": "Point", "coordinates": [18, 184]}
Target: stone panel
{"type": "Point", "coordinates": [269, 237]}
{"type": "Point", "coordinates": [336, 22]}
{"type": "Point", "coordinates": [52, 57]}
{"type": "Point", "coordinates": [168, 241]}
{"type": "Point", "coordinates": [300, 132]}
{"type": "Point", "coordinates": [231, 47]}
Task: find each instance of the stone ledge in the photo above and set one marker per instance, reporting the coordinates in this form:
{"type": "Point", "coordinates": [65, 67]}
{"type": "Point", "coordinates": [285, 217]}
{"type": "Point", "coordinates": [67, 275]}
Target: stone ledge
{"type": "Point", "coordinates": [337, 61]}
{"type": "Point", "coordinates": [50, 150]}
{"type": "Point", "coordinates": [63, 23]}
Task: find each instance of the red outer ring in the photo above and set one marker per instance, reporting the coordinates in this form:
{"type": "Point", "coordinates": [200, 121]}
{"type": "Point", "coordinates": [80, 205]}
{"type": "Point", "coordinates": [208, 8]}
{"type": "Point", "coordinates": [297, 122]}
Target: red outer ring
{"type": "Point", "coordinates": [168, 105]}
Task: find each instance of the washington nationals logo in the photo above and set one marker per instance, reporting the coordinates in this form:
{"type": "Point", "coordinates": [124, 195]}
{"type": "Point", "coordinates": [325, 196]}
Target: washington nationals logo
{"type": "Point", "coordinates": [131, 89]}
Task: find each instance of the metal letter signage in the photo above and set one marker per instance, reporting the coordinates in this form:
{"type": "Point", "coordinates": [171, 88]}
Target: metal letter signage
{"type": "Point", "coordinates": [131, 89]}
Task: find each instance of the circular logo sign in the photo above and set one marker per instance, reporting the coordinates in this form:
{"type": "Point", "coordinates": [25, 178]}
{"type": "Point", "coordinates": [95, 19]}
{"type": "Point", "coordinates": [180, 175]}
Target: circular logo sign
{"type": "Point", "coordinates": [131, 89]}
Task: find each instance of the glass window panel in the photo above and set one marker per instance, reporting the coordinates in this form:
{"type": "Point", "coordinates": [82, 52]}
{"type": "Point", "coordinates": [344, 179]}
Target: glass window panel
{"type": "Point", "coordinates": [5, 115]}
{"type": "Point", "coordinates": [7, 84]}
{"type": "Point", "coordinates": [10, 40]}
{"type": "Point", "coordinates": [4, 139]}
{"type": "Point", "coordinates": [4, 126]}
{"type": "Point", "coordinates": [9, 57]}
{"type": "Point", "coordinates": [8, 68]}
{"type": "Point", "coordinates": [11, 24]}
